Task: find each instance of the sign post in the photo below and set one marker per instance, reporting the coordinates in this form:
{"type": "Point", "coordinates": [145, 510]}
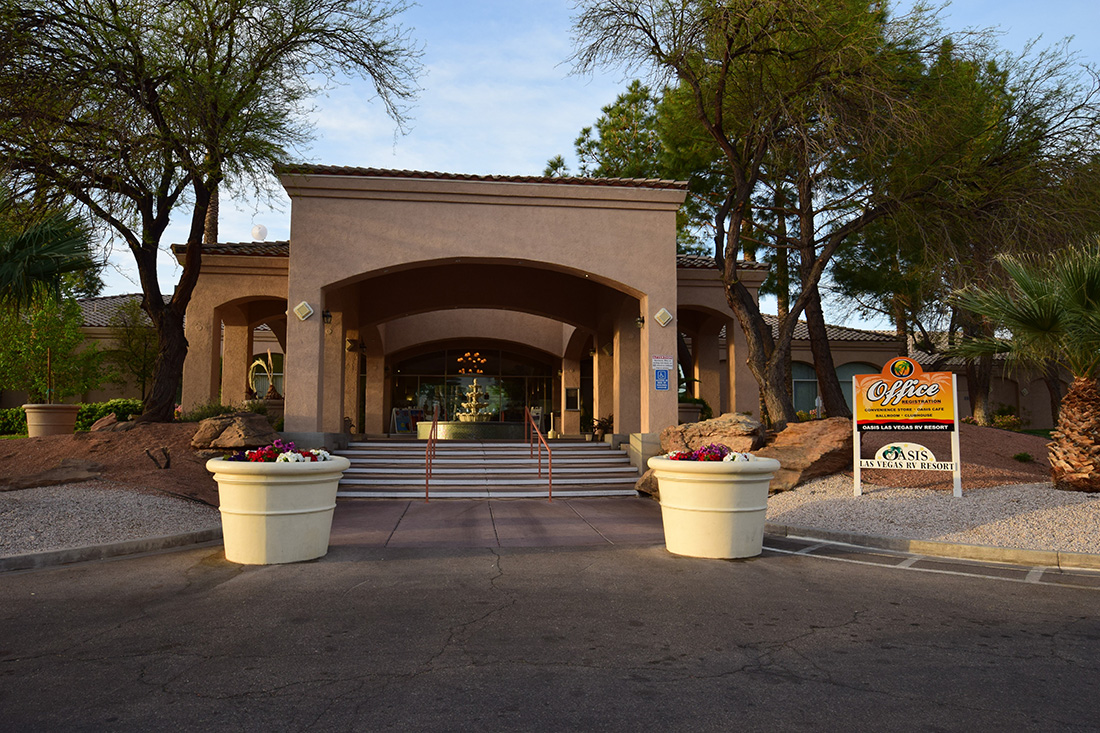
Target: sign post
{"type": "Point", "coordinates": [905, 398]}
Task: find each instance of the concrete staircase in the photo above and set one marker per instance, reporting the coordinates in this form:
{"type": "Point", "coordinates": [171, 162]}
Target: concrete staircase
{"type": "Point", "coordinates": [394, 469]}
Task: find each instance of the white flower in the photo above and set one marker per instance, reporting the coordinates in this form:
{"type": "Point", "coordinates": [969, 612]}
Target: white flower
{"type": "Point", "coordinates": [290, 458]}
{"type": "Point", "coordinates": [739, 457]}
{"type": "Point", "coordinates": [322, 454]}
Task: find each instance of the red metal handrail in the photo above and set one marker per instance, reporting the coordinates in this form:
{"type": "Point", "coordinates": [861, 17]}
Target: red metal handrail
{"type": "Point", "coordinates": [531, 432]}
{"type": "Point", "coordinates": [429, 451]}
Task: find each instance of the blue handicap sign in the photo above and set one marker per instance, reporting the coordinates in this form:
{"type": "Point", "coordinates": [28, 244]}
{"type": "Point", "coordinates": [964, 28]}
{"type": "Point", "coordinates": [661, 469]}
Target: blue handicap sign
{"type": "Point", "coordinates": [660, 376]}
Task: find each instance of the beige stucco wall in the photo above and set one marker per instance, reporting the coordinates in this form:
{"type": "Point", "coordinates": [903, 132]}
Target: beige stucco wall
{"type": "Point", "coordinates": [559, 251]}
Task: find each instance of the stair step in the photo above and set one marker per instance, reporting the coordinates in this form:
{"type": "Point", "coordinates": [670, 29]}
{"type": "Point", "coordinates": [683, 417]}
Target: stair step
{"type": "Point", "coordinates": [473, 469]}
{"type": "Point", "coordinates": [490, 494]}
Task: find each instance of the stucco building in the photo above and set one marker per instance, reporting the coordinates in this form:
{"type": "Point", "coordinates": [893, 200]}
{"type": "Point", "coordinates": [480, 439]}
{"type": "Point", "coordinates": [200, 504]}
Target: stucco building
{"type": "Point", "coordinates": [562, 295]}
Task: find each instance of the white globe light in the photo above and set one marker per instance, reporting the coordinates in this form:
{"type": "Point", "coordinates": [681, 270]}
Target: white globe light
{"type": "Point", "coordinates": [259, 233]}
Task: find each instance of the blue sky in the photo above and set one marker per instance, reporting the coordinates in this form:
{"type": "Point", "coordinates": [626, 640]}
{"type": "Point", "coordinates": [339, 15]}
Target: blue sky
{"type": "Point", "coordinates": [498, 96]}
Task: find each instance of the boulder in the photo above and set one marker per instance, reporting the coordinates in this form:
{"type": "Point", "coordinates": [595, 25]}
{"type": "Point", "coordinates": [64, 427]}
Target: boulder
{"type": "Point", "coordinates": [809, 450]}
{"type": "Point", "coordinates": [236, 431]}
{"type": "Point", "coordinates": [647, 484]}
{"type": "Point", "coordinates": [739, 432]}
{"type": "Point", "coordinates": [107, 422]}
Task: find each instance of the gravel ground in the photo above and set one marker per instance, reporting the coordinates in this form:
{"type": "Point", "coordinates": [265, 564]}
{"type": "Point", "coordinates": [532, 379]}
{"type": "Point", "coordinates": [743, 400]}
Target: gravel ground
{"type": "Point", "coordinates": [93, 513]}
{"type": "Point", "coordinates": [1025, 516]}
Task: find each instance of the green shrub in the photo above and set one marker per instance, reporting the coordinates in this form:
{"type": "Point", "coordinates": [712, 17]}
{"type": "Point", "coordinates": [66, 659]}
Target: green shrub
{"type": "Point", "coordinates": [1007, 422]}
{"type": "Point", "coordinates": [1023, 457]}
{"type": "Point", "coordinates": [90, 412]}
{"type": "Point", "coordinates": [13, 421]}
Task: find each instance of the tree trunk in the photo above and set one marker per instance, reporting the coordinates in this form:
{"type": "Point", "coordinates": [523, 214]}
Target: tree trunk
{"type": "Point", "coordinates": [1075, 448]}
{"type": "Point", "coordinates": [832, 397]}
{"type": "Point", "coordinates": [783, 275]}
{"type": "Point", "coordinates": [210, 223]}
{"type": "Point", "coordinates": [167, 318]}
{"type": "Point", "coordinates": [828, 386]}
{"type": "Point", "coordinates": [160, 405]}
{"type": "Point", "coordinates": [1054, 387]}
{"type": "Point", "coordinates": [766, 358]}
{"type": "Point", "coordinates": [901, 324]}
{"type": "Point", "coordinates": [979, 378]}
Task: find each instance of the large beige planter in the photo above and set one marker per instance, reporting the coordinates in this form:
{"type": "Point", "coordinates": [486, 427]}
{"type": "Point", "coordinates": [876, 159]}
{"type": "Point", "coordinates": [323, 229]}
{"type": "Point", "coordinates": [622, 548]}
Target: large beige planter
{"type": "Point", "coordinates": [714, 509]}
{"type": "Point", "coordinates": [275, 513]}
{"type": "Point", "coordinates": [50, 419]}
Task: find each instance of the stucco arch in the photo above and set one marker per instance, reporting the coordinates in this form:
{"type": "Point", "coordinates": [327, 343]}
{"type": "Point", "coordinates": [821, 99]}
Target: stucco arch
{"type": "Point", "coordinates": [384, 295]}
{"type": "Point", "coordinates": [374, 246]}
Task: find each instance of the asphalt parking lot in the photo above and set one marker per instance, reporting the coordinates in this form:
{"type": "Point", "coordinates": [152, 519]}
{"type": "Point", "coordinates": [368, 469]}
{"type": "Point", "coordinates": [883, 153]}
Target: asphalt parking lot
{"type": "Point", "coordinates": [579, 638]}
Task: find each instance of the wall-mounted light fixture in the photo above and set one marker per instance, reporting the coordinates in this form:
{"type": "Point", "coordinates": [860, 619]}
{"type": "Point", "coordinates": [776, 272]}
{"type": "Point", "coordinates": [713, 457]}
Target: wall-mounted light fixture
{"type": "Point", "coordinates": [640, 321]}
{"type": "Point", "coordinates": [326, 316]}
{"type": "Point", "coordinates": [591, 352]}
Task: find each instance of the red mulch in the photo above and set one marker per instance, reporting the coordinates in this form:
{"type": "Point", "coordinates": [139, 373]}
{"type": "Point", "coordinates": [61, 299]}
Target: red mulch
{"type": "Point", "coordinates": [120, 458]}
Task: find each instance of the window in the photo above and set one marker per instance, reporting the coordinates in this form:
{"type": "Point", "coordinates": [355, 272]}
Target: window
{"type": "Point", "coordinates": [845, 372]}
{"type": "Point", "coordinates": [803, 386]}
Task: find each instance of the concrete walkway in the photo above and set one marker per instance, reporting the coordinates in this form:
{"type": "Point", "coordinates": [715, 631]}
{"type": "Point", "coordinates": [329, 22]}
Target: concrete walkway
{"type": "Point", "coordinates": [464, 523]}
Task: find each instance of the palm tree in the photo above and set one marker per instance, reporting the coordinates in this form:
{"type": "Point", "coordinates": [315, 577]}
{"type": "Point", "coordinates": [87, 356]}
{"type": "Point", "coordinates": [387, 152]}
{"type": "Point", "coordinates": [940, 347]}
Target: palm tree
{"type": "Point", "coordinates": [1049, 312]}
{"type": "Point", "coordinates": [34, 259]}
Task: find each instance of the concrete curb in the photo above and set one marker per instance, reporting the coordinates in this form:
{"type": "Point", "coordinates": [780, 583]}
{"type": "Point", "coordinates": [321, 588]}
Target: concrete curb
{"type": "Point", "coordinates": [983, 553]}
{"type": "Point", "coordinates": [53, 558]}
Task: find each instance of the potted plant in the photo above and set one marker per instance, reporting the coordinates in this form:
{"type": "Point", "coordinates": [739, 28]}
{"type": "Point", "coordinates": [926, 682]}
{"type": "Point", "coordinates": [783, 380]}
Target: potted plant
{"type": "Point", "coordinates": [276, 502]}
{"type": "Point", "coordinates": [713, 501]}
{"type": "Point", "coordinates": [42, 354]}
{"type": "Point", "coordinates": [602, 426]}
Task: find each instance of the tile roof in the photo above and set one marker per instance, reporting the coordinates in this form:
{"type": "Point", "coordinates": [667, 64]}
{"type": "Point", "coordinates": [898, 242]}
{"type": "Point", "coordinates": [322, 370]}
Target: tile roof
{"type": "Point", "coordinates": [341, 170]}
{"type": "Point", "coordinates": [706, 262]}
{"type": "Point", "coordinates": [99, 311]}
{"type": "Point", "coordinates": [278, 248]}
{"type": "Point", "coordinates": [834, 333]}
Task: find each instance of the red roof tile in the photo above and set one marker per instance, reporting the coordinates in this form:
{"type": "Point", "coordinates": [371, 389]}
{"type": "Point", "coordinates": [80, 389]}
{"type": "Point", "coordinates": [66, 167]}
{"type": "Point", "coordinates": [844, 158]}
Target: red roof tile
{"type": "Point", "coordinates": [341, 170]}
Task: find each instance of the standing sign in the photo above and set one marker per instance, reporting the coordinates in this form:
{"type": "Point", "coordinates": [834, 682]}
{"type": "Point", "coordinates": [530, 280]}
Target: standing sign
{"type": "Point", "coordinates": [905, 398]}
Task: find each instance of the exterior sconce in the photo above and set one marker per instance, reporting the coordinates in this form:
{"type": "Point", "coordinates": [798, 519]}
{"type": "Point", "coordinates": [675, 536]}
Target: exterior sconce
{"type": "Point", "coordinates": [326, 316]}
{"type": "Point", "coordinates": [591, 352]}
{"type": "Point", "coordinates": [640, 321]}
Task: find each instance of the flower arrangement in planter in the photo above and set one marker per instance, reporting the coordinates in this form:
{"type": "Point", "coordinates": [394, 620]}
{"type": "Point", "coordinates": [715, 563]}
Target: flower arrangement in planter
{"type": "Point", "coordinates": [281, 452]}
{"type": "Point", "coordinates": [713, 501]}
{"type": "Point", "coordinates": [712, 452]}
{"type": "Point", "coordinates": [276, 502]}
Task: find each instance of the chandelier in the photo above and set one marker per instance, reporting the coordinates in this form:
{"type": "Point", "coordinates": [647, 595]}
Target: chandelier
{"type": "Point", "coordinates": [471, 363]}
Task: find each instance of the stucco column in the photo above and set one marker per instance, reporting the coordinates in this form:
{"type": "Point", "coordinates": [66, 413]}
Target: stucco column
{"type": "Point", "coordinates": [570, 379]}
{"type": "Point", "coordinates": [203, 361]}
{"type": "Point", "coordinates": [332, 396]}
{"type": "Point", "coordinates": [708, 372]}
{"type": "Point", "coordinates": [603, 377]}
{"type": "Point", "coordinates": [627, 355]}
{"type": "Point", "coordinates": [376, 392]}
{"type": "Point", "coordinates": [658, 407]}
{"type": "Point", "coordinates": [236, 355]}
{"type": "Point", "coordinates": [303, 369]}
{"type": "Point", "coordinates": [744, 392]}
{"type": "Point", "coordinates": [352, 390]}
